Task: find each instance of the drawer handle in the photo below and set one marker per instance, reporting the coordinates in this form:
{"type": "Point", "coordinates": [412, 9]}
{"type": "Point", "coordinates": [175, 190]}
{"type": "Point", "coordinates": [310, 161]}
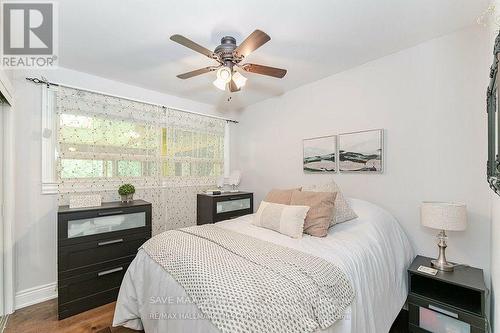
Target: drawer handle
{"type": "Point", "coordinates": [110, 213]}
{"type": "Point", "coordinates": [114, 241]}
{"type": "Point", "coordinates": [110, 271]}
{"type": "Point", "coordinates": [443, 311]}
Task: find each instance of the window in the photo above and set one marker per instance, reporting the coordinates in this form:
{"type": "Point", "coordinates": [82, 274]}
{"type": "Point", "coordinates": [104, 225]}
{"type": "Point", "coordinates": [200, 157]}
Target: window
{"type": "Point", "coordinates": [188, 153]}
{"type": "Point", "coordinates": [96, 147]}
{"type": "Point", "coordinates": [99, 138]}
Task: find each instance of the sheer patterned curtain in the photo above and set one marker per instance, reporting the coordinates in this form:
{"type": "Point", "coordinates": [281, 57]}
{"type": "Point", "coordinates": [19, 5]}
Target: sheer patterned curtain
{"type": "Point", "coordinates": [193, 158]}
{"type": "Point", "coordinates": [168, 155]}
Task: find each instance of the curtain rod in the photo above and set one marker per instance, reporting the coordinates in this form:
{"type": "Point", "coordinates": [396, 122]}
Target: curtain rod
{"type": "Point", "coordinates": [43, 80]}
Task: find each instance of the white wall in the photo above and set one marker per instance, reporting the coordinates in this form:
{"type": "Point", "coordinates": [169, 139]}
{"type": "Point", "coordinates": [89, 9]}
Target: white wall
{"type": "Point", "coordinates": [35, 228]}
{"type": "Point", "coordinates": [430, 99]}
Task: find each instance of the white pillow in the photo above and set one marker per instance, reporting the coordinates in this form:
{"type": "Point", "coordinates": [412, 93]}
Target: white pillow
{"type": "Point", "coordinates": [342, 211]}
{"type": "Point", "coordinates": [285, 219]}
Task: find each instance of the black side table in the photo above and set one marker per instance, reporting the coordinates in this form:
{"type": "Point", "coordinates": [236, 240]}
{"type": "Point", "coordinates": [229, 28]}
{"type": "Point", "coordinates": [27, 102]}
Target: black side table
{"type": "Point", "coordinates": [448, 301]}
{"type": "Point", "coordinates": [211, 208]}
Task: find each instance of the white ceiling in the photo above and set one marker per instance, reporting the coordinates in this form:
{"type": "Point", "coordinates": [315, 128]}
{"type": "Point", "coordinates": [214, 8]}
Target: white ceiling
{"type": "Point", "coordinates": [129, 41]}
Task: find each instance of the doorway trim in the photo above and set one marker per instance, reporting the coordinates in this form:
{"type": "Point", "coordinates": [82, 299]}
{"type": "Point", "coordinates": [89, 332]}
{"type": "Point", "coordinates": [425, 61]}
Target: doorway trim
{"type": "Point", "coordinates": [8, 187]}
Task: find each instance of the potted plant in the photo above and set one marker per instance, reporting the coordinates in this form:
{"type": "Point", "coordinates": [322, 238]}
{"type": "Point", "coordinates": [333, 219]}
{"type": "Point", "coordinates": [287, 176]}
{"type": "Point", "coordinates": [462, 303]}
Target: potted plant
{"type": "Point", "coordinates": [126, 191]}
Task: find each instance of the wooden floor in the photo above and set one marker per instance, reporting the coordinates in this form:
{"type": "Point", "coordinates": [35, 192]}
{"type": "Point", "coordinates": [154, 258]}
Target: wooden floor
{"type": "Point", "coordinates": [42, 318]}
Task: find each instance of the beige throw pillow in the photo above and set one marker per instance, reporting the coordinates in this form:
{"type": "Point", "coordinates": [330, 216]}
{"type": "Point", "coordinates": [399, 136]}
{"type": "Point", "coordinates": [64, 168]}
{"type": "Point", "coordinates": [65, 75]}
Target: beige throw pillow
{"type": "Point", "coordinates": [280, 196]}
{"type": "Point", "coordinates": [321, 212]}
{"type": "Point", "coordinates": [285, 219]}
{"type": "Point", "coordinates": [342, 211]}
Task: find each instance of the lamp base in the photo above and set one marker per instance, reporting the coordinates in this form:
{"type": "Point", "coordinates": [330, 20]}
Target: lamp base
{"type": "Point", "coordinates": [446, 266]}
{"type": "Point", "coordinates": [441, 263]}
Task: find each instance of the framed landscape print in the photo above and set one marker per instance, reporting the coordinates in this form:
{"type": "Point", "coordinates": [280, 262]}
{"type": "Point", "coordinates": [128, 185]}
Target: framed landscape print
{"type": "Point", "coordinates": [361, 151]}
{"type": "Point", "coordinates": [320, 154]}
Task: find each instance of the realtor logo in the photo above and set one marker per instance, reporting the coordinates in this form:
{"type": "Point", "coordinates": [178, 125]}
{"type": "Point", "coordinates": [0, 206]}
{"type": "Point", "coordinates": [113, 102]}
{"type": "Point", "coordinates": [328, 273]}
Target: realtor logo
{"type": "Point", "coordinates": [28, 34]}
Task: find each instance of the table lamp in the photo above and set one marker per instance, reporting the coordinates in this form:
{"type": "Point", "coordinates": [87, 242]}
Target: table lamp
{"type": "Point", "coordinates": [445, 217]}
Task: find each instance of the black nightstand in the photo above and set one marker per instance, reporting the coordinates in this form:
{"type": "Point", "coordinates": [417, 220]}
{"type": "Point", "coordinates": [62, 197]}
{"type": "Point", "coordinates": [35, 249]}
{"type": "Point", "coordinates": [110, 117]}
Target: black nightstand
{"type": "Point", "coordinates": [211, 208]}
{"type": "Point", "coordinates": [453, 300]}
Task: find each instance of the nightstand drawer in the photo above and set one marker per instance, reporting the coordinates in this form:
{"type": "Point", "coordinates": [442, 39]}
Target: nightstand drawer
{"type": "Point", "coordinates": [215, 208]}
{"type": "Point", "coordinates": [415, 329]}
{"type": "Point", "coordinates": [108, 277]}
{"type": "Point", "coordinates": [90, 253]}
{"type": "Point", "coordinates": [416, 303]}
{"type": "Point", "coordinates": [231, 215]}
{"type": "Point", "coordinates": [227, 206]}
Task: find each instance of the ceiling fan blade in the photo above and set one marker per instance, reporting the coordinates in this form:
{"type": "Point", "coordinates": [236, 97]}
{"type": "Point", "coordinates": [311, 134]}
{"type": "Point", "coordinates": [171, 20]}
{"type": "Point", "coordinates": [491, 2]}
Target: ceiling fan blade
{"type": "Point", "coordinates": [255, 40]}
{"type": "Point", "coordinates": [197, 72]}
{"type": "Point", "coordinates": [192, 45]}
{"type": "Point", "coordinates": [233, 87]}
{"type": "Point", "coordinates": [264, 70]}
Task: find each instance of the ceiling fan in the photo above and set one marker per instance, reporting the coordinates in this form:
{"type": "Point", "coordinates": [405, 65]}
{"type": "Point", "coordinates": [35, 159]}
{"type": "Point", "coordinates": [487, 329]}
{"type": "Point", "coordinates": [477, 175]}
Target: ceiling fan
{"type": "Point", "coordinates": [229, 56]}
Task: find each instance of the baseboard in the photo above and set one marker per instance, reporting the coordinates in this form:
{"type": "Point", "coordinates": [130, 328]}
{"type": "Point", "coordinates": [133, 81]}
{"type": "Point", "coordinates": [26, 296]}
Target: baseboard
{"type": "Point", "coordinates": [3, 322]}
{"type": "Point", "coordinates": [35, 295]}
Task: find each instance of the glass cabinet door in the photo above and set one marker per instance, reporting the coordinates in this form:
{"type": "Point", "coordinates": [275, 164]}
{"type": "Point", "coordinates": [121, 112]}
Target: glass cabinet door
{"type": "Point", "coordinates": [433, 321]}
{"type": "Point", "coordinates": [233, 205]}
{"type": "Point", "coordinates": [103, 224]}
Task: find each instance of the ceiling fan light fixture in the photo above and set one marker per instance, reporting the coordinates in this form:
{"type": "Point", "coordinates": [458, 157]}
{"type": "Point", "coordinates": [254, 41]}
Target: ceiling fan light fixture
{"type": "Point", "coordinates": [224, 74]}
{"type": "Point", "coordinates": [239, 80]}
{"type": "Point", "coordinates": [228, 55]}
{"type": "Point", "coordinates": [220, 84]}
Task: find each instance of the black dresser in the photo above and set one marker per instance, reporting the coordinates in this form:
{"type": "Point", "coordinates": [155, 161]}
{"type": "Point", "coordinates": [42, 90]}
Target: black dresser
{"type": "Point", "coordinates": [211, 208]}
{"type": "Point", "coordinates": [94, 249]}
{"type": "Point", "coordinates": [448, 301]}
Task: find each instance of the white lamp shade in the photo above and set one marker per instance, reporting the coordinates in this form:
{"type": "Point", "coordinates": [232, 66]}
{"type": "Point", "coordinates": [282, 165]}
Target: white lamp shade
{"type": "Point", "coordinates": [235, 178]}
{"type": "Point", "coordinates": [224, 74]}
{"type": "Point", "coordinates": [239, 80]}
{"type": "Point", "coordinates": [220, 84]}
{"type": "Point", "coordinates": [443, 216]}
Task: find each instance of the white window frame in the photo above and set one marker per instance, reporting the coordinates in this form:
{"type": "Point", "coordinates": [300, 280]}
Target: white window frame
{"type": "Point", "coordinates": [48, 130]}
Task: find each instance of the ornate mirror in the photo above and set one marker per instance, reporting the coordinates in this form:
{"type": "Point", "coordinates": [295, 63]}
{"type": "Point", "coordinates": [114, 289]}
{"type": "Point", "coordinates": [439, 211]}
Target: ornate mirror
{"type": "Point", "coordinates": [493, 167]}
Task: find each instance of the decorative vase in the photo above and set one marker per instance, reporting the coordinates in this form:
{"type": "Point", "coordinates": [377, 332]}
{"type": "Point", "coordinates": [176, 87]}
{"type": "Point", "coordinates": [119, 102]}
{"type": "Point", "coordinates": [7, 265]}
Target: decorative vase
{"type": "Point", "coordinates": [126, 198]}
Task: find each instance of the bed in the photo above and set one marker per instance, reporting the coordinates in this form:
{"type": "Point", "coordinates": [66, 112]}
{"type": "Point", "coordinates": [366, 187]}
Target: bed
{"type": "Point", "coordinates": [372, 250]}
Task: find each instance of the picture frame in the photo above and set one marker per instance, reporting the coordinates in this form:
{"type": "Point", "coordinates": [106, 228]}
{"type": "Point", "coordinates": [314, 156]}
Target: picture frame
{"type": "Point", "coordinates": [319, 154]}
{"type": "Point", "coordinates": [493, 163]}
{"type": "Point", "coordinates": [361, 151]}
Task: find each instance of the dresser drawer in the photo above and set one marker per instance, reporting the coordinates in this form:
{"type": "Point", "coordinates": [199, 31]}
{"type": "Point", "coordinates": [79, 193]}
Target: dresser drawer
{"type": "Point", "coordinates": [90, 225]}
{"type": "Point", "coordinates": [87, 303]}
{"type": "Point", "coordinates": [111, 221]}
{"type": "Point", "coordinates": [81, 255]}
{"type": "Point", "coordinates": [108, 277]}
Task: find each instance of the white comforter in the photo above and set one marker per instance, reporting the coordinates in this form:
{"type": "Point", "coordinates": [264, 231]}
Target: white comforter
{"type": "Point", "coordinates": [372, 250]}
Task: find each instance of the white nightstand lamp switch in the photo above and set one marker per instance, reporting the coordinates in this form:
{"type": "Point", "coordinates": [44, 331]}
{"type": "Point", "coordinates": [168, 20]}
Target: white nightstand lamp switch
{"type": "Point", "coordinates": [427, 270]}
